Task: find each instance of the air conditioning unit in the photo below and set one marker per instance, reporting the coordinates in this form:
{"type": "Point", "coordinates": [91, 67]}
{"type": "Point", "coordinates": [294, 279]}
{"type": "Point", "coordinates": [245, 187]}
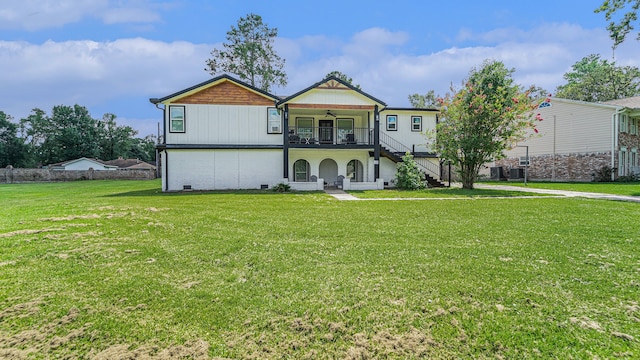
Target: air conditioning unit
{"type": "Point", "coordinates": [516, 173]}
{"type": "Point", "coordinates": [497, 173]}
{"type": "Point", "coordinates": [524, 161]}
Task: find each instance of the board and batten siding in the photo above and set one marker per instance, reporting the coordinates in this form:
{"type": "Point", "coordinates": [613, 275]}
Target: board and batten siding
{"type": "Point", "coordinates": [324, 97]}
{"type": "Point", "coordinates": [222, 169]}
{"type": "Point", "coordinates": [568, 128]}
{"type": "Point", "coordinates": [404, 135]}
{"type": "Point", "coordinates": [224, 124]}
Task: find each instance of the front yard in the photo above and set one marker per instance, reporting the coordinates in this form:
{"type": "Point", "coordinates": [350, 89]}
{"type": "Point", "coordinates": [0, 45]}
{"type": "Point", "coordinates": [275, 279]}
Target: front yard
{"type": "Point", "coordinates": [116, 269]}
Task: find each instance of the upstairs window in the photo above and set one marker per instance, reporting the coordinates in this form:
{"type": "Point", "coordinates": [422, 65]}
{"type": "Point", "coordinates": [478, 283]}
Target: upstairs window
{"type": "Point", "coordinates": [623, 123]}
{"type": "Point", "coordinates": [304, 127]}
{"type": "Point", "coordinates": [633, 126]}
{"type": "Point", "coordinates": [392, 122]}
{"type": "Point", "coordinates": [274, 121]}
{"type": "Point", "coordinates": [345, 130]}
{"type": "Point", "coordinates": [416, 123]}
{"type": "Point", "coordinates": [176, 119]}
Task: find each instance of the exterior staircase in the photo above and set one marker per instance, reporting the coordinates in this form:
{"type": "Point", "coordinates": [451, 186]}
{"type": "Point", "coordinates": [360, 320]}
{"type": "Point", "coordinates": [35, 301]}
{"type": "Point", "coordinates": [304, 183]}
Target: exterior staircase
{"type": "Point", "coordinates": [394, 150]}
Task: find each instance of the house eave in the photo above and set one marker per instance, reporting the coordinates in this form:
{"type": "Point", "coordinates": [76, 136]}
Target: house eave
{"type": "Point", "coordinates": [290, 98]}
{"type": "Point", "coordinates": [211, 82]}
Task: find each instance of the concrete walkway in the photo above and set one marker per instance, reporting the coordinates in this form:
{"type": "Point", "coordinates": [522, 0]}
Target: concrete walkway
{"type": "Point", "coordinates": [566, 193]}
{"type": "Point", "coordinates": [341, 195]}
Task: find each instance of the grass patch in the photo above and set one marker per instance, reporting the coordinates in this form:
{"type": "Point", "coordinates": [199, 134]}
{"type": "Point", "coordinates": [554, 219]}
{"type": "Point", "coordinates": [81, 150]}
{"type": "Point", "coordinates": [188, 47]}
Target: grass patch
{"type": "Point", "coordinates": [437, 193]}
{"type": "Point", "coordinates": [615, 188]}
{"type": "Point", "coordinates": [116, 269]}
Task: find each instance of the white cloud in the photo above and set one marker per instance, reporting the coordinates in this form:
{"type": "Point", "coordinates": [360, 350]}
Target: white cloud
{"type": "Point", "coordinates": [93, 73]}
{"type": "Point", "coordinates": [540, 56]}
{"type": "Point", "coordinates": [120, 76]}
{"type": "Point", "coordinates": [35, 15]}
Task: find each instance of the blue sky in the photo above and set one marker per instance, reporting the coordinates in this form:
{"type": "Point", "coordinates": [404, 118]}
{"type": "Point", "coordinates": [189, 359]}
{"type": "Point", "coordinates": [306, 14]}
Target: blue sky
{"type": "Point", "coordinates": [113, 55]}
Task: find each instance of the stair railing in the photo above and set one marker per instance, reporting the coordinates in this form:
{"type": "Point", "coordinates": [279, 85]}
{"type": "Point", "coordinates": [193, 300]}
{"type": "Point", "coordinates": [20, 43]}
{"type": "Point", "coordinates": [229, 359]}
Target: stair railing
{"type": "Point", "coordinates": [397, 147]}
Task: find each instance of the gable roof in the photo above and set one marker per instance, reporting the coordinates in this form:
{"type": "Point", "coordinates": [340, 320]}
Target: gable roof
{"type": "Point", "coordinates": [331, 82]}
{"type": "Point", "coordinates": [210, 83]}
{"type": "Point", "coordinates": [586, 103]}
{"type": "Point", "coordinates": [92, 160]}
{"type": "Point", "coordinates": [130, 164]}
{"type": "Point", "coordinates": [630, 102]}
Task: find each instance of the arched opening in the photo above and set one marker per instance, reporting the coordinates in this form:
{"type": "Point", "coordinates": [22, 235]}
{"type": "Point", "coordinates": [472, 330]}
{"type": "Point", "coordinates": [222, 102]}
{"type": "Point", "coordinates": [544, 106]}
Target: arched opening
{"type": "Point", "coordinates": [329, 171]}
{"type": "Point", "coordinates": [301, 171]}
{"type": "Point", "coordinates": [355, 171]}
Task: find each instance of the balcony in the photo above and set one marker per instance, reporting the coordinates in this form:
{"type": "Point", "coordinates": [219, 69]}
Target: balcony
{"type": "Point", "coordinates": [329, 136]}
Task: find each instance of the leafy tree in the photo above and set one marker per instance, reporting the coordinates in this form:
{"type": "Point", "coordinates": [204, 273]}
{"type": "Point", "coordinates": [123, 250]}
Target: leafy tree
{"type": "Point", "coordinates": [249, 54]}
{"type": "Point", "coordinates": [69, 133]}
{"type": "Point", "coordinates": [115, 141]}
{"type": "Point", "coordinates": [343, 77]}
{"type": "Point", "coordinates": [35, 130]}
{"type": "Point", "coordinates": [428, 100]}
{"type": "Point", "coordinates": [409, 176]}
{"type": "Point", "coordinates": [619, 29]}
{"type": "Point", "coordinates": [489, 115]}
{"type": "Point", "coordinates": [143, 149]}
{"type": "Point", "coordinates": [595, 80]}
{"type": "Point", "coordinates": [13, 150]}
{"type": "Point", "coordinates": [75, 134]}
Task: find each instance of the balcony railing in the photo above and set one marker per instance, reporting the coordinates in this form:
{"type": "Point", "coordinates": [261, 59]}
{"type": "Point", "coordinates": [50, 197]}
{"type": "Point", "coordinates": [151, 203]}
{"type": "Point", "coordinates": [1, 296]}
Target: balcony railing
{"type": "Point", "coordinates": [308, 136]}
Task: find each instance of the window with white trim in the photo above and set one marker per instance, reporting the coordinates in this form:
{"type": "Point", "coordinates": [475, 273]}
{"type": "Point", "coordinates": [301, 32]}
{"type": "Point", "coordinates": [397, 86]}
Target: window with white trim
{"type": "Point", "coordinates": [176, 119]}
{"type": "Point", "coordinates": [623, 158]}
{"type": "Point", "coordinates": [416, 123]}
{"type": "Point", "coordinates": [623, 123]}
{"type": "Point", "coordinates": [633, 126]}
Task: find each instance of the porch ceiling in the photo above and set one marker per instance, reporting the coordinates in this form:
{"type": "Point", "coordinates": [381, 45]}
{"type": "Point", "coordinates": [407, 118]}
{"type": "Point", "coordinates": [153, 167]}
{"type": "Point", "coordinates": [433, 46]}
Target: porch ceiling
{"type": "Point", "coordinates": [339, 113]}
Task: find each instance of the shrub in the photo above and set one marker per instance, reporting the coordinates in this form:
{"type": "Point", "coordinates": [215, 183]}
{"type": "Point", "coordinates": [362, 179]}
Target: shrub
{"type": "Point", "coordinates": [409, 176]}
{"type": "Point", "coordinates": [604, 174]}
{"type": "Point", "coordinates": [628, 178]}
{"type": "Point", "coordinates": [281, 187]}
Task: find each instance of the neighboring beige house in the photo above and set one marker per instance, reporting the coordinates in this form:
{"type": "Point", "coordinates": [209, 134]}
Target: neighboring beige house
{"type": "Point", "coordinates": [578, 139]}
{"type": "Point", "coordinates": [226, 134]}
{"type": "Point", "coordinates": [82, 164]}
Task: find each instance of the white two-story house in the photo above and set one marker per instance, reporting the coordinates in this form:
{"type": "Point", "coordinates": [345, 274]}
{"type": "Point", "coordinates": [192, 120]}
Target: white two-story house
{"type": "Point", "coordinates": [226, 134]}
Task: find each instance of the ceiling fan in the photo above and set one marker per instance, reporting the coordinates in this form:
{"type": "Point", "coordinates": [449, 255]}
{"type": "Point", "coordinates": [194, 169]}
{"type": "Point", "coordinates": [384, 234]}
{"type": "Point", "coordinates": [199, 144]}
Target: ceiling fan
{"type": "Point", "coordinates": [329, 113]}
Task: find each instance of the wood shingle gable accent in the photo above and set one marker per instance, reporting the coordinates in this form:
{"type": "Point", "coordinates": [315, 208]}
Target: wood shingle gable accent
{"type": "Point", "coordinates": [333, 85]}
{"type": "Point", "coordinates": [222, 89]}
{"type": "Point", "coordinates": [225, 93]}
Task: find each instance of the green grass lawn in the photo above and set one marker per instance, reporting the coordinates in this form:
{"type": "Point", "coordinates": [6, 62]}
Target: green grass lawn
{"type": "Point", "coordinates": [616, 188]}
{"type": "Point", "coordinates": [116, 269]}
